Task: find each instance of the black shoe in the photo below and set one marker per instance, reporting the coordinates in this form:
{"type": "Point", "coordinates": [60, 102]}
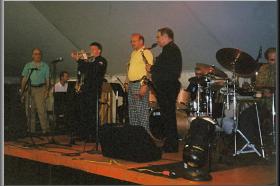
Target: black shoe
{"type": "Point", "coordinates": [72, 142]}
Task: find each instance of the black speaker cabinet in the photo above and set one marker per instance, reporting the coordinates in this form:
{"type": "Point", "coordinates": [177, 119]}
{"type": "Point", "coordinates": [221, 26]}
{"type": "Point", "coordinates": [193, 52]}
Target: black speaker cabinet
{"type": "Point", "coordinates": [128, 142]}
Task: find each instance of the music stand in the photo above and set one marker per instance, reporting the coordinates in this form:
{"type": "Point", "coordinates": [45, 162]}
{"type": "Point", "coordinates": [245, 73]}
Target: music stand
{"type": "Point", "coordinates": [118, 90]}
{"type": "Point", "coordinates": [71, 86]}
{"type": "Point", "coordinates": [60, 101]}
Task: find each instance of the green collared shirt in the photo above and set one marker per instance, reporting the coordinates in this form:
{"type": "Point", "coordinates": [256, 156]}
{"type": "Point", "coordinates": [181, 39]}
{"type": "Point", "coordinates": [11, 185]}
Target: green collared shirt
{"type": "Point", "coordinates": [39, 76]}
{"type": "Point", "coordinates": [266, 76]}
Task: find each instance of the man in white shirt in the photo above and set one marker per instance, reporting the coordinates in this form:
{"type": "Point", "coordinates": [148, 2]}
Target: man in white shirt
{"type": "Point", "coordinates": [62, 85]}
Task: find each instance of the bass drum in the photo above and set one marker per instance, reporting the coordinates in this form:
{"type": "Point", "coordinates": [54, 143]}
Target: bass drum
{"type": "Point", "coordinates": [156, 126]}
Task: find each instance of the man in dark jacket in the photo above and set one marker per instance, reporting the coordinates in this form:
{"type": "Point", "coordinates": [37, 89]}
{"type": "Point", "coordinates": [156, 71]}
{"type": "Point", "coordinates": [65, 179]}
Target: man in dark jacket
{"type": "Point", "coordinates": [92, 70]}
{"type": "Point", "coordinates": [166, 72]}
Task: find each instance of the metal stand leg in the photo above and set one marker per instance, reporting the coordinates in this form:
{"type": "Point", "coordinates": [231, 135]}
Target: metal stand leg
{"type": "Point", "coordinates": [235, 132]}
{"type": "Point", "coordinates": [259, 127]}
{"type": "Point", "coordinates": [273, 119]}
{"type": "Point", "coordinates": [248, 147]}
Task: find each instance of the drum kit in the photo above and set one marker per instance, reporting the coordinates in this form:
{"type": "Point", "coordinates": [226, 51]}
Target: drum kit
{"type": "Point", "coordinates": [215, 86]}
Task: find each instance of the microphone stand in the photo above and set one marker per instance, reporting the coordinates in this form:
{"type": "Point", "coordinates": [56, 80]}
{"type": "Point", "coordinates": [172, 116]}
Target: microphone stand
{"type": "Point", "coordinates": [96, 151]}
{"type": "Point", "coordinates": [28, 83]}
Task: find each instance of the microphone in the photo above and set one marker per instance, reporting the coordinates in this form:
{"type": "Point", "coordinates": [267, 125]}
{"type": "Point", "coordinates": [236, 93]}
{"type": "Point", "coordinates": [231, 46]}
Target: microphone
{"type": "Point", "coordinates": [153, 46]}
{"type": "Point", "coordinates": [59, 59]}
{"type": "Point", "coordinates": [259, 55]}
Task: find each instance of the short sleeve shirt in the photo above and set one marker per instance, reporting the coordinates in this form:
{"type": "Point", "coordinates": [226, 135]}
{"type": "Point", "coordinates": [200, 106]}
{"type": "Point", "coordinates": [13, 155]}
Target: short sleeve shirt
{"type": "Point", "coordinates": [38, 76]}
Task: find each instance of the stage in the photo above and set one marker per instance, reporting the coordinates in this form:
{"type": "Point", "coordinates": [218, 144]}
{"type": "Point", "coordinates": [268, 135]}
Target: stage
{"type": "Point", "coordinates": [56, 155]}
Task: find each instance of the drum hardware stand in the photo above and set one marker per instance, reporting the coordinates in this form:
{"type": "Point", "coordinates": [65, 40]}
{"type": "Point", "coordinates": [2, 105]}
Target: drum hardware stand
{"type": "Point", "coordinates": [227, 103]}
{"type": "Point", "coordinates": [209, 100]}
{"type": "Point", "coordinates": [249, 145]}
{"type": "Point", "coordinates": [273, 118]}
{"type": "Point", "coordinates": [198, 99]}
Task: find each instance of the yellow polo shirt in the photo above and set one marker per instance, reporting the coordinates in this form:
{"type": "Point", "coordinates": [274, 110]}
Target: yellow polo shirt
{"type": "Point", "coordinates": [137, 68]}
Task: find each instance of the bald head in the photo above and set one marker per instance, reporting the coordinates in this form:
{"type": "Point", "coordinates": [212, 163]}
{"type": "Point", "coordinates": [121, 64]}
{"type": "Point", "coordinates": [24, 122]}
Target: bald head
{"type": "Point", "coordinates": [137, 41]}
{"type": "Point", "coordinates": [36, 55]}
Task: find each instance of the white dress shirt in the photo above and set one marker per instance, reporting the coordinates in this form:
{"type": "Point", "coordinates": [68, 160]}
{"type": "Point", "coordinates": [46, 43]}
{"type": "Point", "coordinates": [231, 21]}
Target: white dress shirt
{"type": "Point", "coordinates": [60, 88]}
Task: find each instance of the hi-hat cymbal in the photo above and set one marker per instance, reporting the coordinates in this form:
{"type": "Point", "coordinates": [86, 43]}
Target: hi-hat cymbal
{"type": "Point", "coordinates": [245, 65]}
{"type": "Point", "coordinates": [211, 69]}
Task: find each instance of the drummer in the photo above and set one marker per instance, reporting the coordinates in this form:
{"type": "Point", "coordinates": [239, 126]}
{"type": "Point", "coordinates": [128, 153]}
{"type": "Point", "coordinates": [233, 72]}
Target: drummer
{"type": "Point", "coordinates": [192, 87]}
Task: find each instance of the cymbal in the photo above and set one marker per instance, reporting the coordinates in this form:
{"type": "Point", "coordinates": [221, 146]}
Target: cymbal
{"type": "Point", "coordinates": [211, 69]}
{"type": "Point", "coordinates": [245, 65]}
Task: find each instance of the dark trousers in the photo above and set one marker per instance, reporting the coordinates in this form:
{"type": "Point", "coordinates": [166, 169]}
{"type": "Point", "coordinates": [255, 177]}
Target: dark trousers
{"type": "Point", "coordinates": [166, 93]}
{"type": "Point", "coordinates": [88, 109]}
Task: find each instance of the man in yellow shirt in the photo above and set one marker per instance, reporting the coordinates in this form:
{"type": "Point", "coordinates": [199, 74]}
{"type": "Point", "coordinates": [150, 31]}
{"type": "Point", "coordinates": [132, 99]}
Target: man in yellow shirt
{"type": "Point", "coordinates": [138, 94]}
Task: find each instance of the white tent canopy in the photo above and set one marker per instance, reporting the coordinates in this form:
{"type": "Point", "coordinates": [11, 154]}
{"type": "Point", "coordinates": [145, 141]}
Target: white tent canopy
{"type": "Point", "coordinates": [201, 28]}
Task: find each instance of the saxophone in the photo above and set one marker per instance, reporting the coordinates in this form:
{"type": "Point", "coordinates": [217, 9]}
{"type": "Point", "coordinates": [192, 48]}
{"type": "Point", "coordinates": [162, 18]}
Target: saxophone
{"type": "Point", "coordinates": [147, 80]}
{"type": "Point", "coordinates": [79, 82]}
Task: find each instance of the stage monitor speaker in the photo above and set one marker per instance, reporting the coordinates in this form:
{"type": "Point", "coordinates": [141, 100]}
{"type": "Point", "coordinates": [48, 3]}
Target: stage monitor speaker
{"type": "Point", "coordinates": [128, 142]}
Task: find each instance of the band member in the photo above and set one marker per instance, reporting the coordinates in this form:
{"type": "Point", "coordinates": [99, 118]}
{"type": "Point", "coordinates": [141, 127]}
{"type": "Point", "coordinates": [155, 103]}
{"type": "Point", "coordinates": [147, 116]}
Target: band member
{"type": "Point", "coordinates": [192, 87]}
{"type": "Point", "coordinates": [138, 94]}
{"type": "Point", "coordinates": [165, 74]}
{"type": "Point", "coordinates": [266, 83]}
{"type": "Point", "coordinates": [39, 82]}
{"type": "Point", "coordinates": [62, 85]}
{"type": "Point", "coordinates": [93, 70]}
{"type": "Point", "coordinates": [267, 73]}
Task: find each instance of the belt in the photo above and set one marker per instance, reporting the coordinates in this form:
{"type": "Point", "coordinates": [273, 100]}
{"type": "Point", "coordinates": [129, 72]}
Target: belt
{"type": "Point", "coordinates": [136, 81]}
{"type": "Point", "coordinates": [39, 85]}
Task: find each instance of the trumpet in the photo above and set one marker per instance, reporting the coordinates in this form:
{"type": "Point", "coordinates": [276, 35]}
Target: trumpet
{"type": "Point", "coordinates": [82, 54]}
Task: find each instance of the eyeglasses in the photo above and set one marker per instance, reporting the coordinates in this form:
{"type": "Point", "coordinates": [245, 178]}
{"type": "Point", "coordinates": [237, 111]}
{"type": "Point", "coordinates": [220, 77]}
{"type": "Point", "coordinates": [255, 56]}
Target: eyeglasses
{"type": "Point", "coordinates": [37, 54]}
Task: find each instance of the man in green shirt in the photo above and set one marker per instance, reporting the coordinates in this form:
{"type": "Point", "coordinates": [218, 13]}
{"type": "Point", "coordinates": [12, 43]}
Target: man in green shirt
{"type": "Point", "coordinates": [266, 76]}
{"type": "Point", "coordinates": [39, 81]}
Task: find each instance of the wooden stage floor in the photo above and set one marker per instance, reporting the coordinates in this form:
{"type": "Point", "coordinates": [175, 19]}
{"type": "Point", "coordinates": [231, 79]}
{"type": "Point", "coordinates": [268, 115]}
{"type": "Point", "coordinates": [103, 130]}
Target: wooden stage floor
{"type": "Point", "coordinates": [119, 169]}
